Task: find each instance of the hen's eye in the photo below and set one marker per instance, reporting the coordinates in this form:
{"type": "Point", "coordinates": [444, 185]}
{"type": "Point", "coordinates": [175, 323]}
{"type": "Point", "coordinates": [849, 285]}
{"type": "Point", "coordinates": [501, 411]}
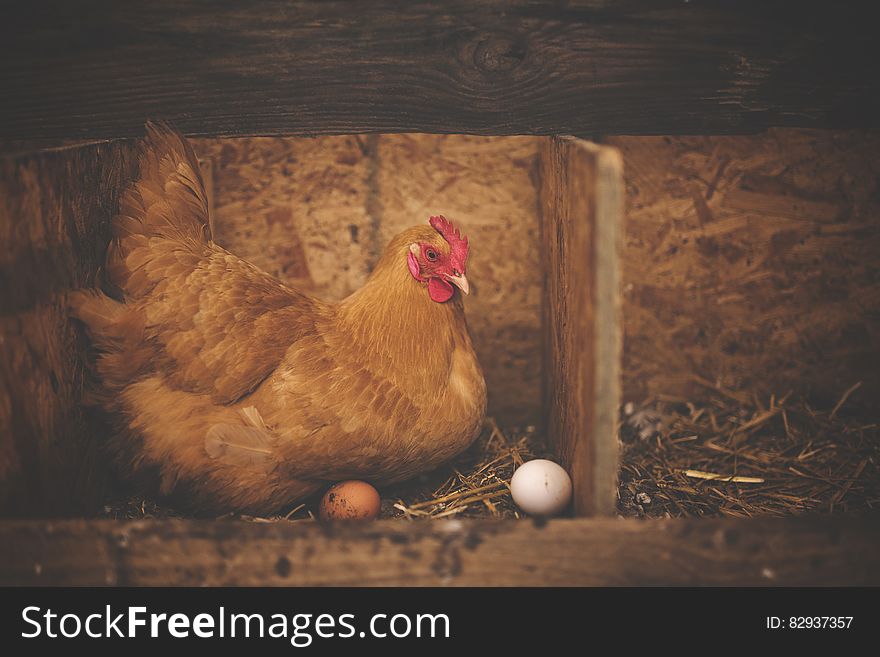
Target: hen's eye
{"type": "Point", "coordinates": [431, 255]}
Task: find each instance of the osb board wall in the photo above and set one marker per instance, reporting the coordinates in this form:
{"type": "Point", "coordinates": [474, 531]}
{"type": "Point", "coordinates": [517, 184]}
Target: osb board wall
{"type": "Point", "coordinates": [752, 260]}
{"type": "Point", "coordinates": [54, 217]}
{"type": "Point", "coordinates": [748, 260]}
{"type": "Point", "coordinates": [318, 213]}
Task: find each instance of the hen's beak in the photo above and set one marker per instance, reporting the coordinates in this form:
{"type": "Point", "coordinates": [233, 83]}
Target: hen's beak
{"type": "Point", "coordinates": [461, 282]}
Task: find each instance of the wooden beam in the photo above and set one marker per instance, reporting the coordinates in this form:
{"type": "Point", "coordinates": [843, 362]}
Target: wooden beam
{"type": "Point", "coordinates": [582, 213]}
{"type": "Point", "coordinates": [817, 551]}
{"type": "Point", "coordinates": [99, 69]}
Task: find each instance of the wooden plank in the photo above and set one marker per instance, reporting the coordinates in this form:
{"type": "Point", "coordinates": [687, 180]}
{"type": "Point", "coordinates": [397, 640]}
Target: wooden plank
{"type": "Point", "coordinates": [72, 70]}
{"type": "Point", "coordinates": [752, 260]}
{"type": "Point", "coordinates": [816, 551]}
{"type": "Point", "coordinates": [582, 206]}
{"type": "Point", "coordinates": [55, 209]}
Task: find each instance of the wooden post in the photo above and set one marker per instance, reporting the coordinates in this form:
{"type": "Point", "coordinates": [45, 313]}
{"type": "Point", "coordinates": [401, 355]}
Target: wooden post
{"type": "Point", "coordinates": [582, 205]}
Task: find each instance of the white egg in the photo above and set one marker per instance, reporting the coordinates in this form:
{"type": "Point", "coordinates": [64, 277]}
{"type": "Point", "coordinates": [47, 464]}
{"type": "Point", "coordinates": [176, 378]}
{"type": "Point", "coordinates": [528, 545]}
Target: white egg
{"type": "Point", "coordinates": [541, 487]}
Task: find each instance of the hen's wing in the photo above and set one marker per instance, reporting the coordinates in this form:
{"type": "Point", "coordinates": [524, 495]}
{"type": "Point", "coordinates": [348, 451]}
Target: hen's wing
{"type": "Point", "coordinates": [219, 325]}
{"type": "Point", "coordinates": [213, 323]}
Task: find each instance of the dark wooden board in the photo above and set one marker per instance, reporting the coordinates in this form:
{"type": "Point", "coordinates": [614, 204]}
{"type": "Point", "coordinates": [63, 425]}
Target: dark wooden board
{"type": "Point", "coordinates": [582, 214]}
{"type": "Point", "coordinates": [817, 551]}
{"type": "Point", "coordinates": [55, 210]}
{"type": "Point", "coordinates": [98, 69]}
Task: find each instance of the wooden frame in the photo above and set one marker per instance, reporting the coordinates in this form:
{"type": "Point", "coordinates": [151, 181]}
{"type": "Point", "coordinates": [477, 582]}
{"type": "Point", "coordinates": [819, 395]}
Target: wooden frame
{"type": "Point", "coordinates": [831, 551]}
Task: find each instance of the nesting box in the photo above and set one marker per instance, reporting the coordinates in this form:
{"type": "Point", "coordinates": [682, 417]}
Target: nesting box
{"type": "Point", "coordinates": [543, 215]}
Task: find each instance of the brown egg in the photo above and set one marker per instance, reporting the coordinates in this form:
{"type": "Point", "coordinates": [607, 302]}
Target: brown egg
{"type": "Point", "coordinates": [350, 500]}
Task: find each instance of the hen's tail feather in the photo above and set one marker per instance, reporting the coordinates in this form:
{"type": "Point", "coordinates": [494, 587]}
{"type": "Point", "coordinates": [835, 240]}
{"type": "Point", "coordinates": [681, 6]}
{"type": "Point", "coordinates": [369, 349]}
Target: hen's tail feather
{"type": "Point", "coordinates": [168, 200]}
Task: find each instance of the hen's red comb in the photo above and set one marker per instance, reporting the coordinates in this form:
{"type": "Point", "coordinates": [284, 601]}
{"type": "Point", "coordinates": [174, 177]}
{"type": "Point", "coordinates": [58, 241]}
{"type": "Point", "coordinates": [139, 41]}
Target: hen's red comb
{"type": "Point", "coordinates": [457, 243]}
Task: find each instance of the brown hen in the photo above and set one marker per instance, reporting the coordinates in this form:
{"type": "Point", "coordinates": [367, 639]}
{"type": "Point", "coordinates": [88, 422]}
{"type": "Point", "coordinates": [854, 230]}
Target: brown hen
{"type": "Point", "coordinates": [242, 393]}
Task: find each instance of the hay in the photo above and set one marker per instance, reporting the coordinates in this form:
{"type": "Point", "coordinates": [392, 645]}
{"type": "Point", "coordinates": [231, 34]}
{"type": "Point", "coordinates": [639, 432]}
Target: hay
{"type": "Point", "coordinates": [476, 484]}
{"type": "Point", "coordinates": [728, 455]}
{"type": "Point", "coordinates": [734, 455]}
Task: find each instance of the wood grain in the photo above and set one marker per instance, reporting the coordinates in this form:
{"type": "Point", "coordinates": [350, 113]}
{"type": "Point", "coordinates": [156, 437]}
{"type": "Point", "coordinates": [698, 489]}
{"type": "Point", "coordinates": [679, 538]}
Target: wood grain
{"type": "Point", "coordinates": [582, 213]}
{"type": "Point", "coordinates": [55, 209]}
{"type": "Point", "coordinates": [752, 261]}
{"type": "Point", "coordinates": [587, 67]}
{"type": "Point", "coordinates": [817, 551]}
